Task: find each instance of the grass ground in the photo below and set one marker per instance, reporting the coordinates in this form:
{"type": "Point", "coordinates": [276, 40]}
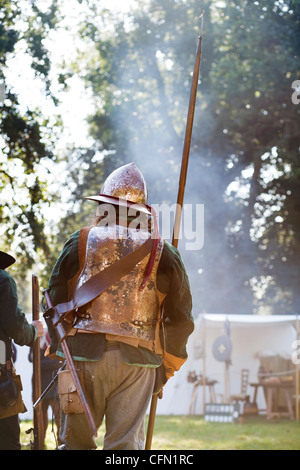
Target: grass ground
{"type": "Point", "coordinates": [193, 433]}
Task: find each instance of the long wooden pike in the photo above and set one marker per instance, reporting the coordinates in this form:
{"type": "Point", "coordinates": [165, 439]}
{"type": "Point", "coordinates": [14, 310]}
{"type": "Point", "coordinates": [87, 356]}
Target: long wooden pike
{"type": "Point", "coordinates": [180, 196]}
{"type": "Point", "coordinates": [38, 425]}
{"type": "Point", "coordinates": [187, 140]}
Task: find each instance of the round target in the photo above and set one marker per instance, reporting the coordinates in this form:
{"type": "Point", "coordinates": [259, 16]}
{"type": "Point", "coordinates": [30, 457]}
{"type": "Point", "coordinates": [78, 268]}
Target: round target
{"type": "Point", "coordinates": [222, 348]}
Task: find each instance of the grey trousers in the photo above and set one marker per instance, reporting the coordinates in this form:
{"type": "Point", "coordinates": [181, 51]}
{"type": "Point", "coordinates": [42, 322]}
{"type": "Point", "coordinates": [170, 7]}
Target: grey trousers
{"type": "Point", "coordinates": [118, 391]}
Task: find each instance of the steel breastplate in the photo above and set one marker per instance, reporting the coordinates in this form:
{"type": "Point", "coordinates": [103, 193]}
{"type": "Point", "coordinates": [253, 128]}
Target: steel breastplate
{"type": "Point", "coordinates": [123, 309]}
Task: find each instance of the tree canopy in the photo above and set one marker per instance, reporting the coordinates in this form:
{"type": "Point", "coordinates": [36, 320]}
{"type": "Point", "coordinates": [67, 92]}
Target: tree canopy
{"type": "Point", "coordinates": [26, 140]}
{"type": "Point", "coordinates": [244, 161]}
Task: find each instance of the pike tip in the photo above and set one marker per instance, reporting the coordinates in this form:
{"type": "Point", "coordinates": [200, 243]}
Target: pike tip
{"type": "Point", "coordinates": [202, 19]}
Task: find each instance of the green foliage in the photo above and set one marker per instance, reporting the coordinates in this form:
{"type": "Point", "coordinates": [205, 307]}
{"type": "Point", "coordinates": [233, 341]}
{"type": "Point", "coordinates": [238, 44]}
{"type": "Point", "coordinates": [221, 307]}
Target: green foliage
{"type": "Point", "coordinates": [140, 73]}
{"type": "Point", "coordinates": [256, 65]}
{"type": "Point", "coordinates": [244, 160]}
{"type": "Point", "coordinates": [25, 144]}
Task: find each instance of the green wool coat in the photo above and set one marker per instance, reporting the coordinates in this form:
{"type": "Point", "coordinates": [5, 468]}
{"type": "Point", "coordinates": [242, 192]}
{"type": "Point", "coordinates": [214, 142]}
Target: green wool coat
{"type": "Point", "coordinates": [13, 323]}
{"type": "Point", "coordinates": [172, 279]}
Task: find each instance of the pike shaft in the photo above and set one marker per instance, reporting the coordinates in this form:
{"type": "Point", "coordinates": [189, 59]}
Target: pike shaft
{"type": "Point", "coordinates": [180, 196]}
{"type": "Point", "coordinates": [187, 144]}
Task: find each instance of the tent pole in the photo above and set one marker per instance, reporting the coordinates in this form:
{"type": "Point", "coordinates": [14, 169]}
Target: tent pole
{"type": "Point", "coordinates": [204, 365]}
{"type": "Point", "coordinates": [226, 382]}
{"type": "Point", "coordinates": [297, 377]}
{"type": "Point", "coordinates": [297, 392]}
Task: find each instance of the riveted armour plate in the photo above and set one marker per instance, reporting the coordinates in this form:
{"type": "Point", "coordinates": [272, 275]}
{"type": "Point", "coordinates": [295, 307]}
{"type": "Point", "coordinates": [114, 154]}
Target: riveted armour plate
{"type": "Point", "coordinates": [123, 309]}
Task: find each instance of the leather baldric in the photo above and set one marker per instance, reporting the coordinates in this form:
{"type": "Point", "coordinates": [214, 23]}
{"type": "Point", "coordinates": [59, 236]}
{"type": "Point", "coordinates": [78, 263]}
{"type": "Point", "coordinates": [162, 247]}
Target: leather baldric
{"type": "Point", "coordinates": [129, 310]}
{"type": "Point", "coordinates": [97, 284]}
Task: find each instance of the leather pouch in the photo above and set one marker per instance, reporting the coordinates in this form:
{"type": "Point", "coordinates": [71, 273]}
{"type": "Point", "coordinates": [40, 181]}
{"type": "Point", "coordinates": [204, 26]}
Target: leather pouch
{"type": "Point", "coordinates": [11, 402]}
{"type": "Point", "coordinates": [69, 399]}
{"type": "Point", "coordinates": [8, 391]}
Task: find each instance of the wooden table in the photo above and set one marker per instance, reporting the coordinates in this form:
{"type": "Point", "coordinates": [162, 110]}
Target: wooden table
{"type": "Point", "coordinates": [211, 387]}
{"type": "Point", "coordinates": [272, 389]}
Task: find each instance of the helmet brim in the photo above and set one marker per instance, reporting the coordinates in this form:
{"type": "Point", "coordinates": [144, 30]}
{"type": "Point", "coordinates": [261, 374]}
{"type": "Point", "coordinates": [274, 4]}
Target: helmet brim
{"type": "Point", "coordinates": [117, 201]}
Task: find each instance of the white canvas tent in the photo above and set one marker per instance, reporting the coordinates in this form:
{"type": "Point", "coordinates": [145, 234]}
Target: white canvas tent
{"type": "Point", "coordinates": [252, 337]}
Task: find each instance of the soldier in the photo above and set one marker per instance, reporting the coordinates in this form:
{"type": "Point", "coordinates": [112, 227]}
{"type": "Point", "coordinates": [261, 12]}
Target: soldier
{"type": "Point", "coordinates": [118, 339]}
{"type": "Point", "coordinates": [13, 325]}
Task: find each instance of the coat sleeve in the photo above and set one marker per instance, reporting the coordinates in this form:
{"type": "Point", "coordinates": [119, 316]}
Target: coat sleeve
{"type": "Point", "coordinates": [14, 324]}
{"type": "Point", "coordinates": [178, 319]}
{"type": "Point", "coordinates": [64, 269]}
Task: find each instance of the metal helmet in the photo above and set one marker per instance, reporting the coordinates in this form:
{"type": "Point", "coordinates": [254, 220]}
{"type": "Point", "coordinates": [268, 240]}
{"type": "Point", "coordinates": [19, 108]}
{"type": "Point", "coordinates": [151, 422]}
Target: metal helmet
{"type": "Point", "coordinates": [124, 186]}
{"type": "Point", "coordinates": [126, 182]}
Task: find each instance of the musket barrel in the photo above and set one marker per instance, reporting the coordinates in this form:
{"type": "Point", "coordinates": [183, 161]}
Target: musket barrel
{"type": "Point", "coordinates": [49, 386]}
